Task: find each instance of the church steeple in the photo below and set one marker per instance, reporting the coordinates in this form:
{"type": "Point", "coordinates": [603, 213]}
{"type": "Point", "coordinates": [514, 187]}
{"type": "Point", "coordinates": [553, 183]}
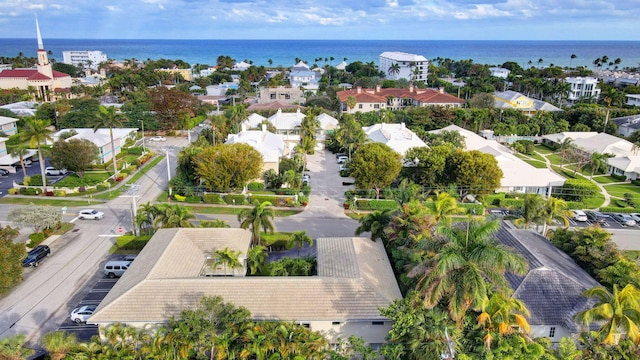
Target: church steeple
{"type": "Point", "coordinates": [43, 65]}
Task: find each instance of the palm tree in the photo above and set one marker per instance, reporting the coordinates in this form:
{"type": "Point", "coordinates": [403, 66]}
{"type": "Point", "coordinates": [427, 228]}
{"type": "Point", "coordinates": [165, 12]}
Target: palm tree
{"type": "Point", "coordinates": [173, 216]}
{"type": "Point", "coordinates": [59, 343]}
{"type": "Point", "coordinates": [299, 238]}
{"type": "Point", "coordinates": [109, 118]}
{"type": "Point", "coordinates": [467, 263]}
{"type": "Point", "coordinates": [37, 132]}
{"type": "Point", "coordinates": [619, 312]}
{"type": "Point", "coordinates": [573, 56]}
{"type": "Point", "coordinates": [500, 313]}
{"type": "Point", "coordinates": [227, 258]}
{"type": "Point", "coordinates": [394, 69]}
{"type": "Point", "coordinates": [375, 223]}
{"type": "Point", "coordinates": [444, 207]}
{"type": "Point", "coordinates": [598, 162]}
{"type": "Point", "coordinates": [257, 259]}
{"type": "Point", "coordinates": [532, 211]}
{"type": "Point", "coordinates": [20, 152]}
{"type": "Point", "coordinates": [565, 146]}
{"type": "Point", "coordinates": [258, 217]}
{"type": "Point", "coordinates": [555, 210]}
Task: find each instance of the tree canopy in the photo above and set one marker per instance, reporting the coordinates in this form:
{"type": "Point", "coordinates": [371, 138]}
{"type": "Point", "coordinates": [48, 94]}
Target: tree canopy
{"type": "Point", "coordinates": [374, 166]}
{"type": "Point", "coordinates": [74, 154]}
{"type": "Point", "coordinates": [228, 166]}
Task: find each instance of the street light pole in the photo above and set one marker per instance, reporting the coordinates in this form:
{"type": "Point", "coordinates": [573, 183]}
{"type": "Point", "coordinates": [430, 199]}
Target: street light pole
{"type": "Point", "coordinates": [168, 171]}
{"type": "Point", "coordinates": [143, 148]}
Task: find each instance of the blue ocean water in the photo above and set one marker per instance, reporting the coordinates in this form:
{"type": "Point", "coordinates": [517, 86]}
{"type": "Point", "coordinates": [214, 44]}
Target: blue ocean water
{"type": "Point", "coordinates": [284, 52]}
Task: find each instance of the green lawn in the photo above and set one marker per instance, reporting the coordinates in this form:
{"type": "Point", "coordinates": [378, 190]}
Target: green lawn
{"type": "Point", "coordinates": [620, 189]}
{"type": "Point", "coordinates": [593, 202]}
{"type": "Point", "coordinates": [605, 179]}
{"type": "Point", "coordinates": [536, 164]}
{"type": "Point", "coordinates": [543, 149]}
{"type": "Point", "coordinates": [555, 159]}
{"type": "Point", "coordinates": [90, 178]}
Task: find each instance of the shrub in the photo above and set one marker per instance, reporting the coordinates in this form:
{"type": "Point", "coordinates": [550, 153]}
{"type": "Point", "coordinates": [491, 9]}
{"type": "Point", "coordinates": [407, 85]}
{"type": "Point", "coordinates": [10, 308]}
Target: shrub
{"type": "Point", "coordinates": [512, 203]}
{"type": "Point", "coordinates": [13, 191]}
{"type": "Point", "coordinates": [255, 186]}
{"type": "Point", "coordinates": [137, 162]}
{"type": "Point", "coordinates": [366, 204]}
{"type": "Point", "coordinates": [36, 239]}
{"type": "Point", "coordinates": [137, 150]}
{"type": "Point", "coordinates": [262, 198]}
{"type": "Point", "coordinates": [179, 197]}
{"type": "Point", "coordinates": [49, 193]}
{"type": "Point", "coordinates": [240, 199]}
{"type": "Point", "coordinates": [60, 193]}
{"type": "Point", "coordinates": [614, 209]}
{"type": "Point", "coordinates": [26, 180]}
{"type": "Point", "coordinates": [131, 169]}
{"type": "Point", "coordinates": [276, 241]}
{"type": "Point", "coordinates": [636, 182]}
{"type": "Point", "coordinates": [101, 187]}
{"type": "Point", "coordinates": [36, 180]}
{"type": "Point", "coordinates": [576, 190]}
{"type": "Point", "coordinates": [194, 199]}
{"type": "Point", "coordinates": [213, 199]}
{"type": "Point", "coordinates": [130, 242]}
{"type": "Point", "coordinates": [619, 177]}
{"type": "Point", "coordinates": [476, 209]}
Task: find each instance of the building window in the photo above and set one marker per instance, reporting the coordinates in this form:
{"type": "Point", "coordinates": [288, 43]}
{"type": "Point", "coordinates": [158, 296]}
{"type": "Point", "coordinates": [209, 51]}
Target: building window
{"type": "Point", "coordinates": [335, 323]}
{"type": "Point", "coordinates": [552, 332]}
{"type": "Point", "coordinates": [305, 324]}
{"type": "Point", "coordinates": [377, 323]}
{"type": "Point", "coordinates": [359, 106]}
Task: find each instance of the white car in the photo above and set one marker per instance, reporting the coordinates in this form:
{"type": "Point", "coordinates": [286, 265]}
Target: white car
{"type": "Point", "coordinates": [157, 138]}
{"type": "Point", "coordinates": [51, 171]}
{"type": "Point", "coordinates": [342, 159]}
{"type": "Point", "coordinates": [579, 215]}
{"type": "Point", "coordinates": [82, 313]}
{"type": "Point", "coordinates": [90, 214]}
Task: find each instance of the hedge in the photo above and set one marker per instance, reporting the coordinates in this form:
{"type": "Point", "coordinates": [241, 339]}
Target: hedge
{"type": "Point", "coordinates": [367, 204]}
{"type": "Point", "coordinates": [213, 199]}
{"type": "Point", "coordinates": [512, 203]}
{"type": "Point", "coordinates": [276, 241]}
{"type": "Point", "coordinates": [255, 186]}
{"type": "Point", "coordinates": [130, 242]}
{"type": "Point", "coordinates": [137, 150]}
{"type": "Point", "coordinates": [179, 197]}
{"type": "Point", "coordinates": [614, 209]}
{"type": "Point", "coordinates": [194, 199]}
{"type": "Point", "coordinates": [281, 201]}
{"type": "Point", "coordinates": [477, 209]}
{"type": "Point", "coordinates": [240, 199]}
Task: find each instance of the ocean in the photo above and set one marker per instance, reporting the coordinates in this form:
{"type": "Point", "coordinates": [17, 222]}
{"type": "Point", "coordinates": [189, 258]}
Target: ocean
{"type": "Point", "coordinates": [284, 52]}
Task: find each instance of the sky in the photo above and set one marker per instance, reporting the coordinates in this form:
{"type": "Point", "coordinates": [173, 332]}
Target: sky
{"type": "Point", "coordinates": [324, 19]}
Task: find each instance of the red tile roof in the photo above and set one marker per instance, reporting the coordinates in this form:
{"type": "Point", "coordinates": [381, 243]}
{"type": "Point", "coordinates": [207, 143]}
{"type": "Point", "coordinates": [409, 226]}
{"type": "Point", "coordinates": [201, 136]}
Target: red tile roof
{"type": "Point", "coordinates": [425, 96]}
{"type": "Point", "coordinates": [31, 74]}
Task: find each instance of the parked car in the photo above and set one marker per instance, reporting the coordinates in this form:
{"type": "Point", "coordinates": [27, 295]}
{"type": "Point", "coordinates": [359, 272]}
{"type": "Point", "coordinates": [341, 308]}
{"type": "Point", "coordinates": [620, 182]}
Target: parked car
{"type": "Point", "coordinates": [579, 215]}
{"type": "Point", "coordinates": [624, 219]}
{"type": "Point", "coordinates": [597, 217]}
{"type": "Point", "coordinates": [36, 255]}
{"type": "Point", "coordinates": [157, 138]}
{"type": "Point", "coordinates": [306, 179]}
{"type": "Point", "coordinates": [636, 217]}
{"type": "Point", "coordinates": [115, 268]}
{"type": "Point", "coordinates": [343, 159]}
{"type": "Point", "coordinates": [51, 171]}
{"type": "Point", "coordinates": [90, 214]}
{"type": "Point", "coordinates": [340, 154]}
{"type": "Point", "coordinates": [26, 162]}
{"type": "Point", "coordinates": [4, 172]}
{"type": "Point", "coordinates": [82, 313]}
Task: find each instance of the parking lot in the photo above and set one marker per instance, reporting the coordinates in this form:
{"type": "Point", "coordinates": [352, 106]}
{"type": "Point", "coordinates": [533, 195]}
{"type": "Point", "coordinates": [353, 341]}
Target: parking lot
{"type": "Point", "coordinates": [92, 294]}
{"type": "Point", "coordinates": [6, 182]}
{"type": "Point", "coordinates": [609, 223]}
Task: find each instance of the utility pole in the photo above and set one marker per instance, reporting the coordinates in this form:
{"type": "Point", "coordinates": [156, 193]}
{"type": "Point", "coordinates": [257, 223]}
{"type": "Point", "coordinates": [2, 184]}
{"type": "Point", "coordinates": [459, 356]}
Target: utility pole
{"type": "Point", "coordinates": [168, 170]}
{"type": "Point", "coordinates": [143, 148]}
{"type": "Point", "coordinates": [134, 208]}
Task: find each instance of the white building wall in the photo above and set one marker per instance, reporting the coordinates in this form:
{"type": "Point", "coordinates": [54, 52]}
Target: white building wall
{"type": "Point", "coordinates": [558, 332]}
{"type": "Point", "coordinates": [83, 57]}
{"type": "Point", "coordinates": [633, 99]}
{"type": "Point", "coordinates": [582, 87]}
{"type": "Point", "coordinates": [372, 334]}
{"type": "Point", "coordinates": [405, 61]}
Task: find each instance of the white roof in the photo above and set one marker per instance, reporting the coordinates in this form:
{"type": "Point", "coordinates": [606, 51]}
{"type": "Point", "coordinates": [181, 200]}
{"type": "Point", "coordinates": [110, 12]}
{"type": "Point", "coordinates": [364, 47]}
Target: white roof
{"type": "Point", "coordinates": [267, 143]}
{"type": "Point", "coordinates": [342, 65]}
{"type": "Point", "coordinates": [396, 136]}
{"type": "Point", "coordinates": [285, 120]}
{"type": "Point", "coordinates": [22, 108]}
{"type": "Point", "coordinates": [100, 137]}
{"type": "Point", "coordinates": [7, 120]}
{"type": "Point", "coordinates": [516, 172]}
{"type": "Point", "coordinates": [402, 56]}
{"type": "Point", "coordinates": [241, 66]}
{"type": "Point", "coordinates": [505, 99]}
{"type": "Point", "coordinates": [254, 120]}
{"type": "Point", "coordinates": [593, 142]}
{"type": "Point", "coordinates": [327, 121]}
{"type": "Point", "coordinates": [10, 160]}
{"type": "Point", "coordinates": [628, 164]}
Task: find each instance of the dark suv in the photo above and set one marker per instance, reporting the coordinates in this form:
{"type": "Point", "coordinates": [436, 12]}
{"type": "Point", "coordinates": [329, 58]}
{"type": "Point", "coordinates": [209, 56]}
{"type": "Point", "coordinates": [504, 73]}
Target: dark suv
{"type": "Point", "coordinates": [36, 255]}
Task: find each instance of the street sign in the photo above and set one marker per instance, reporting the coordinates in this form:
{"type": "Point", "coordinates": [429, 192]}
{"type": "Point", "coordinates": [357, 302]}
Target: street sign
{"type": "Point", "coordinates": [120, 230]}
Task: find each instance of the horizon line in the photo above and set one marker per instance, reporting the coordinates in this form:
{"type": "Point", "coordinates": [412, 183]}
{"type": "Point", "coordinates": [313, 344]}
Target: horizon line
{"type": "Point", "coordinates": [338, 40]}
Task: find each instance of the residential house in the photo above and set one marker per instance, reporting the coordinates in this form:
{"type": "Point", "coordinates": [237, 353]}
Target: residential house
{"type": "Point", "coordinates": [583, 88]}
{"type": "Point", "coordinates": [208, 71]}
{"type": "Point", "coordinates": [284, 94]}
{"type": "Point", "coordinates": [274, 106]}
{"type": "Point", "coordinates": [49, 85]}
{"type": "Point", "coordinates": [22, 108]}
{"type": "Point", "coordinates": [328, 124]}
{"type": "Point", "coordinates": [394, 99]}
{"type": "Point", "coordinates": [8, 126]}
{"type": "Point", "coordinates": [625, 160]}
{"type": "Point", "coordinates": [343, 300]}
{"type": "Point", "coordinates": [517, 175]}
{"type": "Point", "coordinates": [633, 99]}
{"type": "Point", "coordinates": [254, 121]}
{"type": "Point", "coordinates": [307, 80]}
{"type": "Point", "coordinates": [514, 100]}
{"type": "Point", "coordinates": [342, 65]}
{"type": "Point", "coordinates": [500, 72]}
{"type": "Point", "coordinates": [84, 58]}
{"type": "Point", "coordinates": [397, 136]}
{"type": "Point", "coordinates": [410, 66]}
{"type": "Point", "coordinates": [552, 288]}
{"type": "Point", "coordinates": [241, 66]}
{"type": "Point", "coordinates": [101, 138]}
{"type": "Point", "coordinates": [268, 144]}
{"type": "Point", "coordinates": [627, 125]}
{"type": "Point", "coordinates": [186, 74]}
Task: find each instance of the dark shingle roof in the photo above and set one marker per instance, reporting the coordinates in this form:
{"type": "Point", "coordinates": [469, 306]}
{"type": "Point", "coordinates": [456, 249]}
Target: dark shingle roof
{"type": "Point", "coordinates": [552, 289]}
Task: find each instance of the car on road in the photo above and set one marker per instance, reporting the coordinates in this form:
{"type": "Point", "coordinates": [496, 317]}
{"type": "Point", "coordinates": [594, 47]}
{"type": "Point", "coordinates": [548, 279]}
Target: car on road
{"type": "Point", "coordinates": [36, 255]}
{"type": "Point", "coordinates": [597, 217]}
{"type": "Point", "coordinates": [82, 313]}
{"type": "Point", "coordinates": [157, 138]}
{"type": "Point", "coordinates": [343, 159]}
{"type": "Point", "coordinates": [90, 214]}
{"type": "Point", "coordinates": [624, 219]}
{"type": "Point", "coordinates": [579, 215]}
{"type": "Point", "coordinates": [51, 171]}
{"type": "Point", "coordinates": [4, 172]}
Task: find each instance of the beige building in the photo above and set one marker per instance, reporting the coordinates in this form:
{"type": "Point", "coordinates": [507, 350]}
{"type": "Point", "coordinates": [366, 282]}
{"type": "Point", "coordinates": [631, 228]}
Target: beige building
{"type": "Point", "coordinates": [46, 84]}
{"type": "Point", "coordinates": [287, 95]}
{"type": "Point", "coordinates": [379, 98]}
{"type": "Point", "coordinates": [186, 74]}
{"type": "Point", "coordinates": [354, 280]}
